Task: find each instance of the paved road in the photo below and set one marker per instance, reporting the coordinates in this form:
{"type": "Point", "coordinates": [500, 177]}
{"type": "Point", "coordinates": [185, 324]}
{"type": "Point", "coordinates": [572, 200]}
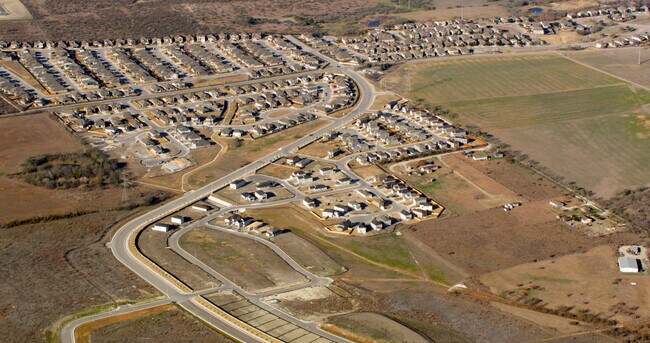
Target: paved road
{"type": "Point", "coordinates": [119, 244]}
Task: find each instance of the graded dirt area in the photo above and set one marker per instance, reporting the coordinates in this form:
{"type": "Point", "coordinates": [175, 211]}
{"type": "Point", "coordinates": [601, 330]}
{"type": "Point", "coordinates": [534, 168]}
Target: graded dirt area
{"type": "Point", "coordinates": [53, 269]}
{"type": "Point", "coordinates": [249, 264]}
{"type": "Point", "coordinates": [586, 281]}
{"type": "Point", "coordinates": [372, 327]}
{"type": "Point", "coordinates": [312, 303]}
{"type": "Point", "coordinates": [584, 125]}
{"type": "Point", "coordinates": [164, 323]}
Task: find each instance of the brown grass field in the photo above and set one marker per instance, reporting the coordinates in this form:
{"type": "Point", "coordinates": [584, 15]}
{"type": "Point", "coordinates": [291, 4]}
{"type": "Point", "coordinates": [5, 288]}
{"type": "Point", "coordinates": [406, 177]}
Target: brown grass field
{"type": "Point", "coordinates": [585, 281]}
{"type": "Point", "coordinates": [153, 244]}
{"type": "Point", "coordinates": [162, 323]}
{"type": "Point", "coordinates": [55, 268]}
{"type": "Point", "coordinates": [249, 264]}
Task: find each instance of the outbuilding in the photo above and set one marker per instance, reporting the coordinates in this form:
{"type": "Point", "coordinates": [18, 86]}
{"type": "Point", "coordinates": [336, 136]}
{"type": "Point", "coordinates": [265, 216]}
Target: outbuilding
{"type": "Point", "coordinates": [629, 264]}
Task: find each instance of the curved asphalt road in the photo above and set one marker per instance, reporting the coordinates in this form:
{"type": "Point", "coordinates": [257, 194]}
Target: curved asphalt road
{"type": "Point", "coordinates": [120, 241]}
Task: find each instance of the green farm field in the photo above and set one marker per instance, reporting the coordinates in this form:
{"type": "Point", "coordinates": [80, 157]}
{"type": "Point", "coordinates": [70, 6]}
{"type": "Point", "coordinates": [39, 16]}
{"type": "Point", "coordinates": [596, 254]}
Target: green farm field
{"type": "Point", "coordinates": [585, 125]}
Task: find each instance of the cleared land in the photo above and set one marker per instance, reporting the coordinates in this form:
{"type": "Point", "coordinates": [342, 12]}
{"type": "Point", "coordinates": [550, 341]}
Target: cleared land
{"type": "Point", "coordinates": [164, 323]}
{"type": "Point", "coordinates": [584, 125]}
{"type": "Point", "coordinates": [249, 264]}
{"type": "Point", "coordinates": [153, 244]}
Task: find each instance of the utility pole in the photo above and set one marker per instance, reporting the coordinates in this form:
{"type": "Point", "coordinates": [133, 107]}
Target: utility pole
{"type": "Point", "coordinates": [462, 12]}
{"type": "Point", "coordinates": [639, 62]}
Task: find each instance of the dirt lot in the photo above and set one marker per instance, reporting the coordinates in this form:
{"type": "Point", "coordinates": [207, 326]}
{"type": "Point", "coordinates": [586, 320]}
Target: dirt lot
{"type": "Point", "coordinates": [16, 10]}
{"type": "Point", "coordinates": [165, 323]}
{"type": "Point", "coordinates": [153, 244]}
{"type": "Point", "coordinates": [587, 281]}
{"type": "Point", "coordinates": [249, 264]}
{"type": "Point", "coordinates": [313, 303]}
{"type": "Point", "coordinates": [56, 268]}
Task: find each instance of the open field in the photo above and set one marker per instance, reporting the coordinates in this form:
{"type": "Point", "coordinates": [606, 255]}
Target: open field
{"type": "Point", "coordinates": [239, 153]}
{"type": "Point", "coordinates": [372, 327]}
{"type": "Point", "coordinates": [620, 62]}
{"type": "Point", "coordinates": [495, 77]}
{"type": "Point", "coordinates": [492, 239]}
{"type": "Point", "coordinates": [162, 323]}
{"type": "Point", "coordinates": [25, 136]}
{"type": "Point", "coordinates": [585, 281]}
{"type": "Point", "coordinates": [247, 263]}
{"type": "Point", "coordinates": [153, 244]}
{"type": "Point", "coordinates": [55, 268]}
{"type": "Point", "coordinates": [582, 124]}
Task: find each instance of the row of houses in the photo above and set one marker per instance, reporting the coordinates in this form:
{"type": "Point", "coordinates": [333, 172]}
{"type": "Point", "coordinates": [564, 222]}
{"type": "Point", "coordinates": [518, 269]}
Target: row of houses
{"type": "Point", "coordinates": [431, 39]}
{"type": "Point", "coordinates": [73, 70]}
{"type": "Point", "coordinates": [47, 76]}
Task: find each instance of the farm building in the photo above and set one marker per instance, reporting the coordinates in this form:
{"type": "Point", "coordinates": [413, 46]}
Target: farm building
{"type": "Point", "coordinates": [629, 264]}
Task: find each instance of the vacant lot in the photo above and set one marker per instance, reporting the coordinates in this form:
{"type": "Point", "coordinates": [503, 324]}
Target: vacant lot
{"type": "Point", "coordinates": [249, 264]}
{"type": "Point", "coordinates": [307, 254]}
{"type": "Point", "coordinates": [586, 281]}
{"type": "Point", "coordinates": [492, 239]}
{"type": "Point", "coordinates": [584, 125]}
{"type": "Point", "coordinates": [620, 62]}
{"type": "Point", "coordinates": [372, 327]}
{"type": "Point", "coordinates": [495, 77]}
{"type": "Point", "coordinates": [25, 136]}
{"type": "Point", "coordinates": [240, 153]}
{"type": "Point", "coordinates": [153, 244]}
{"type": "Point", "coordinates": [53, 269]}
{"type": "Point", "coordinates": [82, 19]}
{"type": "Point", "coordinates": [164, 323]}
